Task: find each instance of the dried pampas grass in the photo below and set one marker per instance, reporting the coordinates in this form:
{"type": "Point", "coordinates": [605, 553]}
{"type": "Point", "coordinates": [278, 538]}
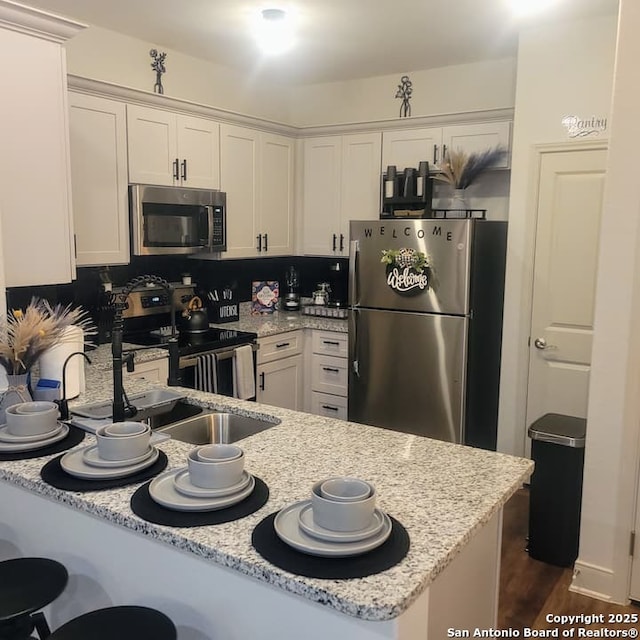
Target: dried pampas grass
{"type": "Point", "coordinates": [461, 169]}
{"type": "Point", "coordinates": [26, 335]}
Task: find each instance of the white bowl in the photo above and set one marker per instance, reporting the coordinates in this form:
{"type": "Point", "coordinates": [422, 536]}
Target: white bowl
{"type": "Point", "coordinates": [214, 474]}
{"type": "Point", "coordinates": [32, 418]}
{"type": "Point", "coordinates": [218, 452]}
{"type": "Point", "coordinates": [120, 429]}
{"type": "Point", "coordinates": [342, 516]}
{"type": "Point", "coordinates": [122, 447]}
{"type": "Point", "coordinates": [345, 489]}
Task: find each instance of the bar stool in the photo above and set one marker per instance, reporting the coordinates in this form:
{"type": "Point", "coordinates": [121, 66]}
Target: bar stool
{"type": "Point", "coordinates": [26, 586]}
{"type": "Point", "coordinates": [123, 623]}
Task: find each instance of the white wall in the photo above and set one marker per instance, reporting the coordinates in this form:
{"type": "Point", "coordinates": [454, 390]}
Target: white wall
{"type": "Point", "coordinates": [105, 55]}
{"type": "Point", "coordinates": [454, 89]}
{"type": "Point", "coordinates": [611, 453]}
{"type": "Point", "coordinates": [101, 54]}
{"type": "Point", "coordinates": [563, 69]}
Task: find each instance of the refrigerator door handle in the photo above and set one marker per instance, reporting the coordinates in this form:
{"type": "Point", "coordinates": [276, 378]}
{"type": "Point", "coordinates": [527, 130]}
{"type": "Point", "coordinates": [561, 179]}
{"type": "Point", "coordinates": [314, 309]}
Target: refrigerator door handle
{"type": "Point", "coordinates": [353, 339]}
{"type": "Point", "coordinates": [354, 252]}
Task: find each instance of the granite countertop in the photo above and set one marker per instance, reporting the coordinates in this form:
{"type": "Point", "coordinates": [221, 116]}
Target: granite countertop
{"type": "Point", "coordinates": [281, 322]}
{"type": "Point", "coordinates": [442, 493]}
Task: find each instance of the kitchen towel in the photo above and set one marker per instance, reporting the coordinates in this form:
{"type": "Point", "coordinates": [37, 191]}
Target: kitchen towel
{"type": "Point", "coordinates": [143, 505]}
{"type": "Point", "coordinates": [244, 379]}
{"type": "Point", "coordinates": [267, 543]}
{"type": "Point", "coordinates": [206, 378]}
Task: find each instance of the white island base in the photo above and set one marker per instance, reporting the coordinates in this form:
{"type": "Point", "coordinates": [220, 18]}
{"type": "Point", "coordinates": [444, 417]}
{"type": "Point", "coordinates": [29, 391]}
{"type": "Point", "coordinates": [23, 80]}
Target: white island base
{"type": "Point", "coordinates": [110, 565]}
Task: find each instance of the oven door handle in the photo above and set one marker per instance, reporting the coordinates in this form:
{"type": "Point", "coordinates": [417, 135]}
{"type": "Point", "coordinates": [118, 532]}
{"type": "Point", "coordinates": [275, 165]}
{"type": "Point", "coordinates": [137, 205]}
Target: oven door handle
{"type": "Point", "coordinates": [221, 354]}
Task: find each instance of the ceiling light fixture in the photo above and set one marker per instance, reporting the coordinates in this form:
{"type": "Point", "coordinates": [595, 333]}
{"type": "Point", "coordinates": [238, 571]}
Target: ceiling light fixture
{"type": "Point", "coordinates": [274, 31]}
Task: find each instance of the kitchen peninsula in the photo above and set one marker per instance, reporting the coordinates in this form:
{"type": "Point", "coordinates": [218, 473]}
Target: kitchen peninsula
{"type": "Point", "coordinates": [213, 583]}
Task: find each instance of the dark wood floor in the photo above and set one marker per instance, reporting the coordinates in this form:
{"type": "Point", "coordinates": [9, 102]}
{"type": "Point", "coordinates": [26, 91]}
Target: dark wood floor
{"type": "Point", "coordinates": [530, 589]}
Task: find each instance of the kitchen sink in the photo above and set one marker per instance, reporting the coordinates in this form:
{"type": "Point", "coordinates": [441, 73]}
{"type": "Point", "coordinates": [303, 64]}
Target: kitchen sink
{"type": "Point", "coordinates": [149, 403]}
{"type": "Point", "coordinates": [210, 428]}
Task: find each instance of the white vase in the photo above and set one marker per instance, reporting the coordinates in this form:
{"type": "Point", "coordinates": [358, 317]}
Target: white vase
{"type": "Point", "coordinates": [458, 206]}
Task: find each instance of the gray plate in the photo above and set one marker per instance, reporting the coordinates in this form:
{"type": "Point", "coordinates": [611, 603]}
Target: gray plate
{"type": "Point", "coordinates": [163, 491]}
{"type": "Point", "coordinates": [186, 488]}
{"type": "Point", "coordinates": [73, 463]}
{"type": "Point", "coordinates": [287, 527]}
{"type": "Point", "coordinates": [93, 459]}
{"type": "Point", "coordinates": [11, 447]}
{"type": "Point", "coordinates": [5, 436]}
{"type": "Point", "coordinates": [308, 525]}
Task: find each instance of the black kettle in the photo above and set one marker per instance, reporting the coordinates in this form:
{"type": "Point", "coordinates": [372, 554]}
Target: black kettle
{"type": "Point", "coordinates": [195, 318]}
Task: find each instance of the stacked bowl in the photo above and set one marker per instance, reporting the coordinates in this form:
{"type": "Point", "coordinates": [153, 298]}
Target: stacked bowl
{"type": "Point", "coordinates": [214, 478]}
{"type": "Point", "coordinates": [31, 425]}
{"type": "Point", "coordinates": [121, 449]}
{"type": "Point", "coordinates": [340, 519]}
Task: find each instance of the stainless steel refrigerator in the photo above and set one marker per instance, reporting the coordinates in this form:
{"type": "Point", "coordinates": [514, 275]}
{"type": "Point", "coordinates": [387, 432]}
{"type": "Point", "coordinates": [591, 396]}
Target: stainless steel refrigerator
{"type": "Point", "coordinates": [425, 326]}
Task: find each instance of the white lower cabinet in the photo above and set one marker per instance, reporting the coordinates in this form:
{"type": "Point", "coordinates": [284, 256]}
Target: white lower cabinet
{"type": "Point", "coordinates": [329, 374]}
{"type": "Point", "coordinates": [330, 406]}
{"type": "Point", "coordinates": [151, 371]}
{"type": "Point", "coordinates": [280, 370]}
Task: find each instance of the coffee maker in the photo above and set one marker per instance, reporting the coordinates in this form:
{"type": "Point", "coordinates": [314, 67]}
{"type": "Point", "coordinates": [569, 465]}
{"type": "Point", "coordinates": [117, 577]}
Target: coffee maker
{"type": "Point", "coordinates": [291, 300]}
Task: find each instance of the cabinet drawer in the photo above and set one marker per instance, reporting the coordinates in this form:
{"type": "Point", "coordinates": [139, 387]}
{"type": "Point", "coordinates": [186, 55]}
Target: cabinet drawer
{"type": "Point", "coordinates": [329, 375]}
{"type": "Point", "coordinates": [281, 345]}
{"type": "Point", "coordinates": [330, 343]}
{"type": "Point", "coordinates": [152, 371]}
{"type": "Point", "coordinates": [324, 404]}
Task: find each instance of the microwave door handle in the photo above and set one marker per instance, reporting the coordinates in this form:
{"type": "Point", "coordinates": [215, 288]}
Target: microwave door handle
{"type": "Point", "coordinates": [210, 222]}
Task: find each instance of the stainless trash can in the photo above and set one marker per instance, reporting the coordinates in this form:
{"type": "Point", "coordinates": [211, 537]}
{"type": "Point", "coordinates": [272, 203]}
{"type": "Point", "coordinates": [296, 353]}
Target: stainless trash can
{"type": "Point", "coordinates": [557, 448]}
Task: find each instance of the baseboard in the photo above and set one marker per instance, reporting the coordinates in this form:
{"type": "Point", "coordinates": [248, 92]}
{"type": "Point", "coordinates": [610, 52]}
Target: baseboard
{"type": "Point", "coordinates": [594, 581]}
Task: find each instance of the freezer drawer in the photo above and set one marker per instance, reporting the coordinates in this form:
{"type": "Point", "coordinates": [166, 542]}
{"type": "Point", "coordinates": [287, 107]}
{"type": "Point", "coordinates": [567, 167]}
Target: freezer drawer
{"type": "Point", "coordinates": [407, 372]}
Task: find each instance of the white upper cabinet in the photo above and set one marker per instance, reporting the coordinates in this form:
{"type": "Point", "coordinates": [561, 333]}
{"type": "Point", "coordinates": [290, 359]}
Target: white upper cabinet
{"type": "Point", "coordinates": [479, 137]}
{"type": "Point", "coordinates": [172, 149]}
{"type": "Point", "coordinates": [341, 183]}
{"type": "Point", "coordinates": [257, 175]}
{"type": "Point", "coordinates": [98, 132]}
{"type": "Point", "coordinates": [35, 185]}
{"type": "Point", "coordinates": [408, 147]}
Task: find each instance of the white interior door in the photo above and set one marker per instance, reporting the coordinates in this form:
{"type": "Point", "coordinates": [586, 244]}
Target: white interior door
{"type": "Point", "coordinates": [569, 203]}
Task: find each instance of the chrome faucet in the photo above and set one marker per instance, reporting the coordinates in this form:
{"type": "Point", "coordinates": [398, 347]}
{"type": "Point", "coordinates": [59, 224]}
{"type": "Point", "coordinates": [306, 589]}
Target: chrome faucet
{"type": "Point", "coordinates": [122, 408]}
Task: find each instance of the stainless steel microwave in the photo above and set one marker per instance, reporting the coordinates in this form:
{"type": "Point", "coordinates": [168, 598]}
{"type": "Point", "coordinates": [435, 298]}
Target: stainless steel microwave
{"type": "Point", "coordinates": [172, 220]}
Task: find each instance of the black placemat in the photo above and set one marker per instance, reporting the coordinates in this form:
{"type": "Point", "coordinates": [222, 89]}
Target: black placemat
{"type": "Point", "coordinates": [267, 543]}
{"type": "Point", "coordinates": [52, 473]}
{"type": "Point", "coordinates": [74, 437]}
{"type": "Point", "coordinates": [143, 505]}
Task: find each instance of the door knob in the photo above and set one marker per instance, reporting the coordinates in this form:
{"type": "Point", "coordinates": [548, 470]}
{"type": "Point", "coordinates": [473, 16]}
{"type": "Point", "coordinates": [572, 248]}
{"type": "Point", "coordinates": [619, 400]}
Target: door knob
{"type": "Point", "coordinates": [541, 343]}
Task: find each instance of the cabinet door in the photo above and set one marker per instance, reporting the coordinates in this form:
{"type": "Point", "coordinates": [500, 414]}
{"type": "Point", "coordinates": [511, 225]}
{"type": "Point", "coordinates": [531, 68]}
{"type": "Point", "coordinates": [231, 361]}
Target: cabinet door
{"type": "Point", "coordinates": [198, 152]}
{"type": "Point", "coordinates": [98, 134]}
{"type": "Point", "coordinates": [151, 371]}
{"type": "Point", "coordinates": [280, 383]}
{"type": "Point", "coordinates": [479, 137]}
{"type": "Point", "coordinates": [408, 147]}
{"type": "Point", "coordinates": [35, 188]}
{"type": "Point", "coordinates": [152, 146]}
{"type": "Point", "coordinates": [239, 178]}
{"type": "Point", "coordinates": [276, 194]}
{"type": "Point", "coordinates": [361, 158]}
{"type": "Point", "coordinates": [321, 200]}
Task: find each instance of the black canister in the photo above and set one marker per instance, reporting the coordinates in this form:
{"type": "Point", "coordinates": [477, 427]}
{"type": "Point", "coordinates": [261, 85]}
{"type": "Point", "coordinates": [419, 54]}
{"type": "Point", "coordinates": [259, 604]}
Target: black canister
{"type": "Point", "coordinates": [409, 183]}
{"type": "Point", "coordinates": [390, 182]}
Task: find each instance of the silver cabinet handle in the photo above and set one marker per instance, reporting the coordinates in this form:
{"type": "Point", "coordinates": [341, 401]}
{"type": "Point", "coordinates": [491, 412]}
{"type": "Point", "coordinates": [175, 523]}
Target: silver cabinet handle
{"type": "Point", "coordinates": [541, 343]}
